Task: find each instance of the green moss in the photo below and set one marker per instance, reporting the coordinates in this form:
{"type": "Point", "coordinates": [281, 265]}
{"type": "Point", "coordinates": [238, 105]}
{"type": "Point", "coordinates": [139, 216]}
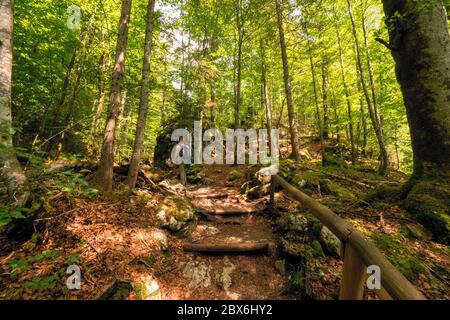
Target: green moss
{"type": "Point", "coordinates": [382, 193]}
{"type": "Point", "coordinates": [234, 175]}
{"type": "Point", "coordinates": [430, 203]}
{"type": "Point", "coordinates": [399, 255]}
{"type": "Point", "coordinates": [317, 247]}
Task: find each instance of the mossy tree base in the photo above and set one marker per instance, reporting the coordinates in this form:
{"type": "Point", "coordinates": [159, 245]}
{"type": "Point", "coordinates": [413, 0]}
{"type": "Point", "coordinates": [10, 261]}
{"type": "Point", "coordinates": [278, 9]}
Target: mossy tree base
{"type": "Point", "coordinates": [427, 199]}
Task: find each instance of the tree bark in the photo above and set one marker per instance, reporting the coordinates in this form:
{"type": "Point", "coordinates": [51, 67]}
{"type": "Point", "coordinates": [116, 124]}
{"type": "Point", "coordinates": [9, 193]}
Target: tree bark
{"type": "Point", "coordinates": [287, 82]}
{"type": "Point", "coordinates": [347, 97]}
{"type": "Point", "coordinates": [143, 105]}
{"type": "Point", "coordinates": [421, 50]}
{"type": "Point", "coordinates": [240, 40]}
{"type": "Point", "coordinates": [375, 123]}
{"type": "Point", "coordinates": [326, 116]}
{"type": "Point", "coordinates": [316, 95]}
{"type": "Point", "coordinates": [104, 66]}
{"type": "Point", "coordinates": [375, 114]}
{"type": "Point", "coordinates": [11, 172]}
{"type": "Point", "coordinates": [265, 94]}
{"type": "Point", "coordinates": [104, 174]}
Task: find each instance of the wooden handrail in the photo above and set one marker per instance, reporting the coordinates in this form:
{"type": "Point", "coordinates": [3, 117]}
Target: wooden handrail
{"type": "Point", "coordinates": [360, 252]}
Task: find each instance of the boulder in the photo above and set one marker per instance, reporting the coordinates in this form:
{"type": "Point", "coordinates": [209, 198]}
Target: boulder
{"type": "Point", "coordinates": [147, 289]}
{"type": "Point", "coordinates": [298, 222]}
{"type": "Point", "coordinates": [330, 242]}
{"type": "Point", "coordinates": [175, 212]}
{"type": "Point", "coordinates": [418, 232]}
{"type": "Point", "coordinates": [159, 237]}
{"type": "Point", "coordinates": [198, 273]}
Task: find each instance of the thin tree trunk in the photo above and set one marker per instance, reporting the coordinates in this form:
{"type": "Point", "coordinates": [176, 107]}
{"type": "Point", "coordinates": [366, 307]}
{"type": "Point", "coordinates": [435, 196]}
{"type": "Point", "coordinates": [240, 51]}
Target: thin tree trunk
{"type": "Point", "coordinates": [240, 40]}
{"type": "Point", "coordinates": [265, 95]}
{"type": "Point", "coordinates": [104, 67]}
{"type": "Point", "coordinates": [347, 97]}
{"type": "Point", "coordinates": [105, 171]}
{"type": "Point", "coordinates": [420, 45]}
{"type": "Point", "coordinates": [143, 105]}
{"type": "Point", "coordinates": [377, 129]}
{"type": "Point", "coordinates": [316, 95]}
{"type": "Point", "coordinates": [11, 172]}
{"type": "Point", "coordinates": [287, 82]}
{"type": "Point", "coordinates": [326, 116]}
{"type": "Point", "coordinates": [376, 112]}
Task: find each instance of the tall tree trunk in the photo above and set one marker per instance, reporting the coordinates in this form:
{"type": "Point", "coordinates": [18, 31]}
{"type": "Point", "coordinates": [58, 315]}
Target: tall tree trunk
{"type": "Point", "coordinates": [347, 97]}
{"type": "Point", "coordinates": [316, 94]}
{"type": "Point", "coordinates": [238, 89]}
{"type": "Point", "coordinates": [104, 67]}
{"type": "Point", "coordinates": [11, 172]}
{"type": "Point", "coordinates": [287, 82]}
{"type": "Point", "coordinates": [265, 94]}
{"type": "Point", "coordinates": [376, 113]}
{"type": "Point", "coordinates": [376, 127]}
{"type": "Point", "coordinates": [143, 105]}
{"type": "Point", "coordinates": [212, 92]}
{"type": "Point", "coordinates": [105, 171]}
{"type": "Point", "coordinates": [326, 116]}
{"type": "Point", "coordinates": [420, 44]}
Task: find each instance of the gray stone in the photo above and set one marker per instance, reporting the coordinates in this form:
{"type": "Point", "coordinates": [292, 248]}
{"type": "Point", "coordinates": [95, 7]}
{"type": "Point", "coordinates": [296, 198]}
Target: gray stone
{"type": "Point", "coordinates": [298, 222]}
{"type": "Point", "coordinates": [330, 242]}
{"type": "Point", "coordinates": [419, 232]}
{"type": "Point", "coordinates": [198, 273]}
{"type": "Point", "coordinates": [174, 212]}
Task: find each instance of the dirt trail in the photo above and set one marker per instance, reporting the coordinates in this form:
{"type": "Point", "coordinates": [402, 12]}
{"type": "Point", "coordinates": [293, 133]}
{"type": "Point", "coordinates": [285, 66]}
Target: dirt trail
{"type": "Point", "coordinates": [229, 276]}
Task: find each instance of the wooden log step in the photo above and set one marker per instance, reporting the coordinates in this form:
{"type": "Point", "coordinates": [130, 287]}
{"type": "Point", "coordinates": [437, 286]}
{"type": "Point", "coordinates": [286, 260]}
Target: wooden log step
{"type": "Point", "coordinates": [237, 247]}
{"type": "Point", "coordinates": [221, 212]}
{"type": "Point", "coordinates": [209, 196]}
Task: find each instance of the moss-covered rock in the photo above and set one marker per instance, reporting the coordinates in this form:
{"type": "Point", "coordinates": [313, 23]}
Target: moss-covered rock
{"type": "Point", "coordinates": [317, 247]}
{"type": "Point", "coordinates": [331, 160]}
{"type": "Point", "coordinates": [330, 242]}
{"type": "Point", "coordinates": [298, 222]}
{"type": "Point", "coordinates": [175, 213]}
{"type": "Point", "coordinates": [235, 175]}
{"type": "Point", "coordinates": [429, 202]}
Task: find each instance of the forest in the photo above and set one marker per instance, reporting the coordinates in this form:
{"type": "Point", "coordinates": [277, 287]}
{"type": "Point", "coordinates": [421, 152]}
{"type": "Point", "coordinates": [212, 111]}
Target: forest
{"type": "Point", "coordinates": [92, 205]}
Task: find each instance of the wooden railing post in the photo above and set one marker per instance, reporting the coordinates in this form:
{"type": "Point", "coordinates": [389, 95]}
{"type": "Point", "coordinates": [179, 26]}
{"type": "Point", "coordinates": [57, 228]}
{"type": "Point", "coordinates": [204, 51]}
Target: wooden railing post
{"type": "Point", "coordinates": [183, 174]}
{"type": "Point", "coordinates": [353, 275]}
{"type": "Point", "coordinates": [272, 192]}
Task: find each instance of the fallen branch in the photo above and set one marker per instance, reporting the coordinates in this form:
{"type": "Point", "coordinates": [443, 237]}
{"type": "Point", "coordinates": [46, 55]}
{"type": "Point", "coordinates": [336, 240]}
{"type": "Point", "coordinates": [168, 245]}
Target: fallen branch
{"type": "Point", "coordinates": [365, 185]}
{"type": "Point", "coordinates": [238, 247]}
{"type": "Point", "coordinates": [211, 218]}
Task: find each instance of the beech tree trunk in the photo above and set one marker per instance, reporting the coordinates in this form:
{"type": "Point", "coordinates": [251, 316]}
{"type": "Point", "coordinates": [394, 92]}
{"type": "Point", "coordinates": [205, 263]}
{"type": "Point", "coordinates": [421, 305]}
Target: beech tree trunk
{"type": "Point", "coordinates": [265, 95]}
{"type": "Point", "coordinates": [326, 116]}
{"type": "Point", "coordinates": [375, 114]}
{"type": "Point", "coordinates": [375, 123]}
{"type": "Point", "coordinates": [104, 174]}
{"type": "Point", "coordinates": [143, 105]}
{"type": "Point", "coordinates": [287, 82]}
{"type": "Point", "coordinates": [11, 172]}
{"type": "Point", "coordinates": [347, 97]}
{"type": "Point", "coordinates": [238, 77]}
{"type": "Point", "coordinates": [420, 44]}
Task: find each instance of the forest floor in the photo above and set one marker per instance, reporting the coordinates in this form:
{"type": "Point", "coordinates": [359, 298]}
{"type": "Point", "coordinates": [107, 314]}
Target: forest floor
{"type": "Point", "coordinates": [123, 252]}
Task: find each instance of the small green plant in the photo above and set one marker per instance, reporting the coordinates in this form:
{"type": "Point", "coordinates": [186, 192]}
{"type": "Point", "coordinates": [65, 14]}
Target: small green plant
{"type": "Point", "coordinates": [19, 265]}
{"type": "Point", "coordinates": [74, 183]}
{"type": "Point", "coordinates": [234, 175]}
{"type": "Point", "coordinates": [30, 156]}
{"type": "Point", "coordinates": [7, 214]}
{"type": "Point", "coordinates": [40, 284]}
{"type": "Point", "coordinates": [73, 258]}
